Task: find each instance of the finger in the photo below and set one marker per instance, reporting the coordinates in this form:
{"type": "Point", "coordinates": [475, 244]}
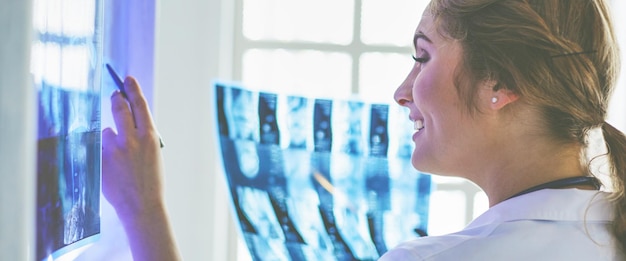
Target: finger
{"type": "Point", "coordinates": [108, 161]}
{"type": "Point", "coordinates": [122, 115]}
{"type": "Point", "coordinates": [138, 103]}
{"type": "Point", "coordinates": [108, 144]}
{"type": "Point", "coordinates": [108, 138]}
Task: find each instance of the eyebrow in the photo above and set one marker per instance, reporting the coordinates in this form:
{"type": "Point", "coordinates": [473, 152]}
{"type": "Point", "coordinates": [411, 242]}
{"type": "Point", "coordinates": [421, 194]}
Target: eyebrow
{"type": "Point", "coordinates": [420, 35]}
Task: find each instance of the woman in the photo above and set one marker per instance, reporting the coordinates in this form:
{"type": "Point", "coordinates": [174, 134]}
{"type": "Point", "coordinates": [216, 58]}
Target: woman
{"type": "Point", "coordinates": [503, 93]}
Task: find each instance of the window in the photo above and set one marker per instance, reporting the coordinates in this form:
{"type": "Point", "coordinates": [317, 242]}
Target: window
{"type": "Point", "coordinates": [322, 47]}
{"type": "Point", "coordinates": [341, 48]}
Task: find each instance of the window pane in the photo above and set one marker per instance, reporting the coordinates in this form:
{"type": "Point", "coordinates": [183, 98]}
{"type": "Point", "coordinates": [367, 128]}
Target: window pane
{"type": "Point", "coordinates": [313, 73]}
{"type": "Point", "coordinates": [75, 67]}
{"type": "Point", "coordinates": [447, 212]}
{"type": "Point", "coordinates": [390, 22]}
{"type": "Point", "coordinates": [77, 15]}
{"type": "Point", "coordinates": [322, 21]}
{"type": "Point", "coordinates": [381, 73]}
{"type": "Point", "coordinates": [481, 203]}
{"type": "Point", "coordinates": [437, 179]}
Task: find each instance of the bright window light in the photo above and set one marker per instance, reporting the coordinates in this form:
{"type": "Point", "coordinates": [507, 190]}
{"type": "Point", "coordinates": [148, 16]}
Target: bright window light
{"type": "Point", "coordinates": [78, 17]}
{"type": "Point", "coordinates": [51, 58]}
{"type": "Point", "coordinates": [54, 17]}
{"type": "Point", "coordinates": [481, 203]}
{"type": "Point", "coordinates": [447, 212]}
{"type": "Point", "coordinates": [322, 21]}
{"type": "Point", "coordinates": [390, 22]}
{"type": "Point", "coordinates": [282, 71]}
{"type": "Point", "coordinates": [381, 73]}
{"type": "Point", "coordinates": [75, 67]}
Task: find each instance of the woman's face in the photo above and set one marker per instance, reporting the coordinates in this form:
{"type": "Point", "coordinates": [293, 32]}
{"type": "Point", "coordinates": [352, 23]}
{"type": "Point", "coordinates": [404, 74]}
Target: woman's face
{"type": "Point", "coordinates": [447, 137]}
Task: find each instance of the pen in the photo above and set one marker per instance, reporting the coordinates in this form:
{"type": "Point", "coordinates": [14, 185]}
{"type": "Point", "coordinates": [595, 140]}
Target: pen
{"type": "Point", "coordinates": [120, 86]}
{"type": "Point", "coordinates": [118, 81]}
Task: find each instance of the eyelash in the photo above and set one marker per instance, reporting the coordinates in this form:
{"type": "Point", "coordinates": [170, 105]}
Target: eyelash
{"type": "Point", "coordinates": [419, 59]}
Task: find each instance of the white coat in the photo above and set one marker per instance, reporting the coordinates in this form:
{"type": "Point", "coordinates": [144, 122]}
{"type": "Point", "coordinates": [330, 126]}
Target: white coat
{"type": "Point", "coordinates": [549, 224]}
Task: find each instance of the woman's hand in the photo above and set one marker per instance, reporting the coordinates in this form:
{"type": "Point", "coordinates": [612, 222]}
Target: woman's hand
{"type": "Point", "coordinates": [132, 163]}
{"type": "Point", "coordinates": [132, 171]}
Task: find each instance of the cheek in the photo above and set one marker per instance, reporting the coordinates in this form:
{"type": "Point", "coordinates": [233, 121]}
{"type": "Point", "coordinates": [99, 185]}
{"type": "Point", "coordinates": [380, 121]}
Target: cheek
{"type": "Point", "coordinates": [424, 90]}
{"type": "Point", "coordinates": [435, 85]}
{"type": "Point", "coordinates": [436, 99]}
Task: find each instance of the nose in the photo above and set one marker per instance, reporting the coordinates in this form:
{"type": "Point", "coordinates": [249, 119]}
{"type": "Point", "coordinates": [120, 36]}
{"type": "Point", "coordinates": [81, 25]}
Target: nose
{"type": "Point", "coordinates": [404, 93]}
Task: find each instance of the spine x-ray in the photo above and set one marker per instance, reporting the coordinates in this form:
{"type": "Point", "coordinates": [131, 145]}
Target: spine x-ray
{"type": "Point", "coordinates": [66, 69]}
{"type": "Point", "coordinates": [319, 179]}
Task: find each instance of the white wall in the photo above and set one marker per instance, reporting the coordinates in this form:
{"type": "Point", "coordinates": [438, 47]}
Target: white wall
{"type": "Point", "coordinates": [17, 133]}
{"type": "Point", "coordinates": [193, 46]}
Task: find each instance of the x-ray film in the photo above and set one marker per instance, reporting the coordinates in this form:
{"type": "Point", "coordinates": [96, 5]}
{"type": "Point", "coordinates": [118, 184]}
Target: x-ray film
{"type": "Point", "coordinates": [68, 169]}
{"type": "Point", "coordinates": [66, 61]}
{"type": "Point", "coordinates": [319, 179]}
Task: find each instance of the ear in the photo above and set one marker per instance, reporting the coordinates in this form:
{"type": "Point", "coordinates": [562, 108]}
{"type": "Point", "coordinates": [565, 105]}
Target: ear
{"type": "Point", "coordinates": [502, 97]}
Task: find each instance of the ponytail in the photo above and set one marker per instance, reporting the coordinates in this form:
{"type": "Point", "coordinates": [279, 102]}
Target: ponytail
{"type": "Point", "coordinates": [616, 145]}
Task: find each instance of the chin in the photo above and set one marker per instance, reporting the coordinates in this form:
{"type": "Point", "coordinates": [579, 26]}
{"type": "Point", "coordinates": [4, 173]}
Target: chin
{"type": "Point", "coordinates": [425, 165]}
{"type": "Point", "coordinates": [419, 164]}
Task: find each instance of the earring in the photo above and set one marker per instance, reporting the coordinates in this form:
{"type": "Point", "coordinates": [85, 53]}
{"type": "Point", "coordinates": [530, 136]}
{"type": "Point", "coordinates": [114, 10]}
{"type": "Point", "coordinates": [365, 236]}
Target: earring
{"type": "Point", "coordinates": [494, 99]}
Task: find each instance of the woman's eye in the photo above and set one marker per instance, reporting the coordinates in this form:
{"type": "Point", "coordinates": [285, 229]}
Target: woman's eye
{"type": "Point", "coordinates": [421, 59]}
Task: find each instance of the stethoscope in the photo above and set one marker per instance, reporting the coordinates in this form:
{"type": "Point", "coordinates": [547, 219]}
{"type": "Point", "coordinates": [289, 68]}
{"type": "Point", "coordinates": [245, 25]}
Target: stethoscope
{"type": "Point", "coordinates": [563, 183]}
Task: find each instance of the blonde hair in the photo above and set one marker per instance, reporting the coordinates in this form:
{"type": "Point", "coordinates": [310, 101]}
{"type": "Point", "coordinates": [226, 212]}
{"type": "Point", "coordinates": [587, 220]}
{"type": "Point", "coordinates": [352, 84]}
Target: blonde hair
{"type": "Point", "coordinates": [560, 55]}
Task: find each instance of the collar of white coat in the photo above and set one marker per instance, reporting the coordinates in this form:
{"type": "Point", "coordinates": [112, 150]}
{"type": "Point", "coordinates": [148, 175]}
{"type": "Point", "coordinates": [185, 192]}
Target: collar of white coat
{"type": "Point", "coordinates": [551, 205]}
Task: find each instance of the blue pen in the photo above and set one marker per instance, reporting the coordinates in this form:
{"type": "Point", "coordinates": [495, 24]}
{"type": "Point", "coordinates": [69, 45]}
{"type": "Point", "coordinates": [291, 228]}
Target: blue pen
{"type": "Point", "coordinates": [120, 86]}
